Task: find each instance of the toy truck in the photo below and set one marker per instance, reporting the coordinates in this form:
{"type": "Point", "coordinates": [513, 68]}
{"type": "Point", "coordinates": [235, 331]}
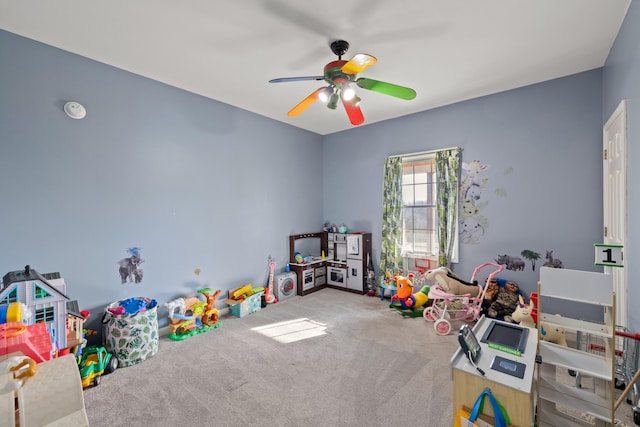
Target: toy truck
{"type": "Point", "coordinates": [95, 362]}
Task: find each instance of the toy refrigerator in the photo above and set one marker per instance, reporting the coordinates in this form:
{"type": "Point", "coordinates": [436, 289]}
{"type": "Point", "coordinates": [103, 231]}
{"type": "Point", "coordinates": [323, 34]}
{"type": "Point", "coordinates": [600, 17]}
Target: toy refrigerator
{"type": "Point", "coordinates": [358, 249]}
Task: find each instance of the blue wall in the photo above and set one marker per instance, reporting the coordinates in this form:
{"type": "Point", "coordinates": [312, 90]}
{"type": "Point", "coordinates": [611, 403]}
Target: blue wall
{"type": "Point", "coordinates": [543, 191]}
{"type": "Point", "coordinates": [621, 80]}
{"type": "Point", "coordinates": [199, 184]}
{"type": "Point", "coordinates": [196, 184]}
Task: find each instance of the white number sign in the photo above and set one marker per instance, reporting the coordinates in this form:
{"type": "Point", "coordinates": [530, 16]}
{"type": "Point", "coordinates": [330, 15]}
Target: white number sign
{"type": "Point", "coordinates": [609, 255]}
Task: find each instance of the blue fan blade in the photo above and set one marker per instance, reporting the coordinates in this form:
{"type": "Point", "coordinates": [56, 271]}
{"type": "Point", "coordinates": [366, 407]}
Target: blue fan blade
{"type": "Point", "coordinates": [296, 79]}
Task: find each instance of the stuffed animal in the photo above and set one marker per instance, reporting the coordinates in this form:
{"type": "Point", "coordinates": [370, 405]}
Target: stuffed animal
{"type": "Point", "coordinates": [452, 284]}
{"type": "Point", "coordinates": [552, 334]}
{"type": "Point", "coordinates": [522, 313]}
{"type": "Point", "coordinates": [505, 303]}
{"type": "Point", "coordinates": [406, 296]}
{"type": "Point", "coordinates": [490, 295]}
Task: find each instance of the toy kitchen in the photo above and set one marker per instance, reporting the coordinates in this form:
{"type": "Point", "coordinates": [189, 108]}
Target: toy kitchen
{"type": "Point", "coordinates": [341, 264]}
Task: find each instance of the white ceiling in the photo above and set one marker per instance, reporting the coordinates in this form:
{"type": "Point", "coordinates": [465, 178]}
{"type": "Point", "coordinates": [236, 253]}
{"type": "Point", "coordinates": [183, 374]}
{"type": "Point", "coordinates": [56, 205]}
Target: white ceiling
{"type": "Point", "coordinates": [228, 50]}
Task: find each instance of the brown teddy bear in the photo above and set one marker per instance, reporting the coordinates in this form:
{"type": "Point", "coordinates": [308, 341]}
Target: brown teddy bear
{"type": "Point", "coordinates": [505, 303]}
{"type": "Point", "coordinates": [490, 295]}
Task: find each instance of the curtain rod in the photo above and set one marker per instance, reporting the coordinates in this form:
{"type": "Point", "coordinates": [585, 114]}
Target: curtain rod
{"type": "Point", "coordinates": [424, 152]}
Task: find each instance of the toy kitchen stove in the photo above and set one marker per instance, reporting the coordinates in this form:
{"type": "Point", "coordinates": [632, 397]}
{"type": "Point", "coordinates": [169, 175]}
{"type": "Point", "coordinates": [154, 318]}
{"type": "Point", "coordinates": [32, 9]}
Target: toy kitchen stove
{"type": "Point", "coordinates": [343, 267]}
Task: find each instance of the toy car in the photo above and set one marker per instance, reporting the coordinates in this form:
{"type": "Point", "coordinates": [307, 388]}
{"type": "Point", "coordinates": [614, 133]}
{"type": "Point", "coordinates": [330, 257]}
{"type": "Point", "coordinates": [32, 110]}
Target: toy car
{"type": "Point", "coordinates": [95, 362]}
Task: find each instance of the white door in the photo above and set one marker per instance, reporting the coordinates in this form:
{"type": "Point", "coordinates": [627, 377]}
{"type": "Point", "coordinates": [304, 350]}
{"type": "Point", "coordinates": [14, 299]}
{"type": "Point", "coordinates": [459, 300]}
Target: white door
{"type": "Point", "coordinates": [615, 200]}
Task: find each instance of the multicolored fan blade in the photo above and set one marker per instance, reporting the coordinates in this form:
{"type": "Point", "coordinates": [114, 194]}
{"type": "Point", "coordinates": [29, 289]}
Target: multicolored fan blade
{"type": "Point", "coordinates": [295, 79]}
{"type": "Point", "coordinates": [305, 103]}
{"type": "Point", "coordinates": [386, 88]}
{"type": "Point", "coordinates": [354, 112]}
{"type": "Point", "coordinates": [358, 63]}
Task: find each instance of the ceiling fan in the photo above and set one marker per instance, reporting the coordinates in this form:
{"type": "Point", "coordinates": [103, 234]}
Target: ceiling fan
{"type": "Point", "coordinates": [341, 78]}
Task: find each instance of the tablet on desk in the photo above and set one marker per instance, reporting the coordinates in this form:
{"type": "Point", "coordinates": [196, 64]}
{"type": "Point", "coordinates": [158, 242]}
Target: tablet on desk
{"type": "Point", "coordinates": [507, 337]}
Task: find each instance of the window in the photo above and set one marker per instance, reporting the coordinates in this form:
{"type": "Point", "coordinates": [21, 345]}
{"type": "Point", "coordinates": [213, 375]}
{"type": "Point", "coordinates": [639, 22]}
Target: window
{"type": "Point", "coordinates": [419, 207]}
{"type": "Point", "coordinates": [12, 296]}
{"type": "Point", "coordinates": [46, 315]}
{"type": "Point", "coordinates": [39, 292]}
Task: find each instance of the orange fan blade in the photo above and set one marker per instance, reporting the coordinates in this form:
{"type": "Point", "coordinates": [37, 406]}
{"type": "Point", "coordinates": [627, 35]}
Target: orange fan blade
{"type": "Point", "coordinates": [358, 63]}
{"type": "Point", "coordinates": [305, 103]}
{"type": "Point", "coordinates": [354, 112]}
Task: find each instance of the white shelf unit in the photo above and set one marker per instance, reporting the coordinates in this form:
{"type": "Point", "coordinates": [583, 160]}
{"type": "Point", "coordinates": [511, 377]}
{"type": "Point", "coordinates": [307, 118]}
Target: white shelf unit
{"type": "Point", "coordinates": [588, 406]}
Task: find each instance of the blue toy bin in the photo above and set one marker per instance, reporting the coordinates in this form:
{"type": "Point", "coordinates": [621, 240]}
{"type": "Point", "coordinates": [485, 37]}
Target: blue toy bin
{"type": "Point", "coordinates": [248, 306]}
{"type": "Point", "coordinates": [130, 330]}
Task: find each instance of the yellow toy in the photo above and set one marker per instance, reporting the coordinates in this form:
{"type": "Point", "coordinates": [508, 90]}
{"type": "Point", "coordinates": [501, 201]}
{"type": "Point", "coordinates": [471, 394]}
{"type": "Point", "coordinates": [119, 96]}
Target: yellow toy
{"type": "Point", "coordinates": [405, 295]}
{"type": "Point", "coordinates": [190, 316]}
{"type": "Point", "coordinates": [243, 290]}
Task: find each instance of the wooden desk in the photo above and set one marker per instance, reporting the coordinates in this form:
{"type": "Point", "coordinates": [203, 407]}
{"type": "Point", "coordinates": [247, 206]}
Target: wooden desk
{"type": "Point", "coordinates": [515, 394]}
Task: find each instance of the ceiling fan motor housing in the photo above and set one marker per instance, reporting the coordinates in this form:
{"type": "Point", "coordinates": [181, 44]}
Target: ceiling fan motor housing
{"type": "Point", "coordinates": [339, 47]}
{"type": "Point", "coordinates": [334, 75]}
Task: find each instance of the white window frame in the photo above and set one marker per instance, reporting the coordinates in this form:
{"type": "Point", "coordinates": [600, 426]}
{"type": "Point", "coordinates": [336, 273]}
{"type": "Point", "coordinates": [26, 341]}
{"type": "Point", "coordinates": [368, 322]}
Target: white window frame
{"type": "Point", "coordinates": [412, 258]}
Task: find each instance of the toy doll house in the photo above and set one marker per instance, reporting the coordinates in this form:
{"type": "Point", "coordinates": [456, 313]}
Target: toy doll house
{"type": "Point", "coordinates": [44, 296]}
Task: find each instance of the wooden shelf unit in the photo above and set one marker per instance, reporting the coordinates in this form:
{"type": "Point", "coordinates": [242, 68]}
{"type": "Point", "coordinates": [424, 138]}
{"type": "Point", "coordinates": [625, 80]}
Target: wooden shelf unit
{"type": "Point", "coordinates": [570, 287]}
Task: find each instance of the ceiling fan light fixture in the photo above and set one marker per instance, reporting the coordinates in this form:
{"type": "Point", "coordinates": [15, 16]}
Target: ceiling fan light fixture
{"type": "Point", "coordinates": [326, 94]}
{"type": "Point", "coordinates": [333, 102]}
{"type": "Point", "coordinates": [355, 101]}
{"type": "Point", "coordinates": [348, 92]}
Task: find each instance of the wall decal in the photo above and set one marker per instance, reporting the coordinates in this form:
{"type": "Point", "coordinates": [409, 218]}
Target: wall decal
{"type": "Point", "coordinates": [530, 256]}
{"type": "Point", "coordinates": [515, 263]}
{"type": "Point", "coordinates": [501, 191]}
{"type": "Point", "coordinates": [472, 229]}
{"type": "Point", "coordinates": [468, 209]}
{"type": "Point", "coordinates": [510, 262]}
{"type": "Point", "coordinates": [129, 267]}
{"type": "Point", "coordinates": [552, 262]}
{"type": "Point", "coordinates": [472, 223]}
{"type": "Point", "coordinates": [472, 170]}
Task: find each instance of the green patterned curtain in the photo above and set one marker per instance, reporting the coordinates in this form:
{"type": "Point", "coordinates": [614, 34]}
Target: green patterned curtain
{"type": "Point", "coordinates": [390, 256]}
{"type": "Point", "coordinates": [447, 171]}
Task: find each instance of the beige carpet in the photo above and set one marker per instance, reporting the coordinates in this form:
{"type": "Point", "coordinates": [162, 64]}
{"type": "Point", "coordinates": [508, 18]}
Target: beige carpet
{"type": "Point", "coordinates": [330, 358]}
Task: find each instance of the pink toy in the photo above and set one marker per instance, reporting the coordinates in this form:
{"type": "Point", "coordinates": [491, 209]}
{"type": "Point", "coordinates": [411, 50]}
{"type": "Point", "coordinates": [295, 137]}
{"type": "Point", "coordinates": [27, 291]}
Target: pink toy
{"type": "Point", "coordinates": [33, 341]}
{"type": "Point", "coordinates": [116, 310]}
{"type": "Point", "coordinates": [269, 297]}
{"type": "Point", "coordinates": [463, 304]}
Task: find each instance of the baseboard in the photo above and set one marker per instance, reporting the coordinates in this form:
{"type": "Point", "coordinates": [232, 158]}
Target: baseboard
{"type": "Point", "coordinates": [164, 331]}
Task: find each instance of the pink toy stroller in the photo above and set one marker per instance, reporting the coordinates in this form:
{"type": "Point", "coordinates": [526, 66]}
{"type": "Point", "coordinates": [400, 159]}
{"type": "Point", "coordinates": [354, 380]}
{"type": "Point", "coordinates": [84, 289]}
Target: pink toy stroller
{"type": "Point", "coordinates": [448, 307]}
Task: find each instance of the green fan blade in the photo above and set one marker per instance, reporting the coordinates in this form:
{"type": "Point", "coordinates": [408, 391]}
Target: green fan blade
{"type": "Point", "coordinates": [386, 88]}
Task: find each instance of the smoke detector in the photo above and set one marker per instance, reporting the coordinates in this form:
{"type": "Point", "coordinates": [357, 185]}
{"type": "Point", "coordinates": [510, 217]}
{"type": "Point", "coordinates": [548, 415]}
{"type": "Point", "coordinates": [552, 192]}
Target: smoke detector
{"type": "Point", "coordinates": [75, 110]}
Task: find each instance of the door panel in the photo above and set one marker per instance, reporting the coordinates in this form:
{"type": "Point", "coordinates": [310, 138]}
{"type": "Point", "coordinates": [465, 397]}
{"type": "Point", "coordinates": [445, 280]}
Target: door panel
{"type": "Point", "coordinates": [615, 200]}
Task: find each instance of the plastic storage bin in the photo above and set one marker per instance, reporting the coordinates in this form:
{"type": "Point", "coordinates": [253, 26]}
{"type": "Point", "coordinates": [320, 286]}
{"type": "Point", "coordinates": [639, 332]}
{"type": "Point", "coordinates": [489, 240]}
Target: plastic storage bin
{"type": "Point", "coordinates": [248, 306]}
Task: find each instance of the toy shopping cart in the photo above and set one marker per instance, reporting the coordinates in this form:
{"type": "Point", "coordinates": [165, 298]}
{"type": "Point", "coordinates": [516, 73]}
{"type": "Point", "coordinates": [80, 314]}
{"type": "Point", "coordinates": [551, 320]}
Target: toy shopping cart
{"type": "Point", "coordinates": [448, 307]}
{"type": "Point", "coordinates": [627, 346]}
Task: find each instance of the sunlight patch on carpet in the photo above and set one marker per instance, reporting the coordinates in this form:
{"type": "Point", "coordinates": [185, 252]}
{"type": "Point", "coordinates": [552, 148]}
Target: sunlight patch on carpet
{"type": "Point", "coordinates": [292, 330]}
